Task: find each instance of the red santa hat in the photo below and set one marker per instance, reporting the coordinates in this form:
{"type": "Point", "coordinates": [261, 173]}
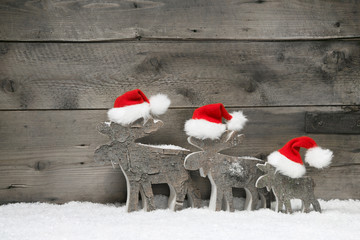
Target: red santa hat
{"type": "Point", "coordinates": [206, 121]}
{"type": "Point", "coordinates": [133, 105]}
{"type": "Point", "coordinates": [287, 160]}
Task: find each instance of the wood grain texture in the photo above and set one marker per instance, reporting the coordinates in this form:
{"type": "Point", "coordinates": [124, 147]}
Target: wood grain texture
{"type": "Point", "coordinates": [92, 75]}
{"type": "Point", "coordinates": [342, 123]}
{"type": "Point", "coordinates": [48, 155]}
{"type": "Point", "coordinates": [93, 20]}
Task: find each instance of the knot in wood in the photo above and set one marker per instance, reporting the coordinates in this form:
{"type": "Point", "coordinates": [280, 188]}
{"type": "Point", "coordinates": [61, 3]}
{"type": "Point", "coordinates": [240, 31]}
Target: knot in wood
{"type": "Point", "coordinates": [8, 86]}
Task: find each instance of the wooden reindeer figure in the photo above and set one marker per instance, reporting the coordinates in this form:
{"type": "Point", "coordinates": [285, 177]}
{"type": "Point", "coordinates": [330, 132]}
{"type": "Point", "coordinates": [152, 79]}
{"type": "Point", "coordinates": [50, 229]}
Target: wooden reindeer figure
{"type": "Point", "coordinates": [144, 165]}
{"type": "Point", "coordinates": [286, 188]}
{"type": "Point", "coordinates": [285, 169]}
{"type": "Point", "coordinates": [225, 172]}
{"type": "Point", "coordinates": [207, 132]}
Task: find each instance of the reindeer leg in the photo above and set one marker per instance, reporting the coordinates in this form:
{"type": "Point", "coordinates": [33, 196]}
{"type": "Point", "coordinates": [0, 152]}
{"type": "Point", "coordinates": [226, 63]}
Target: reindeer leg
{"type": "Point", "coordinates": [133, 196]}
{"type": "Point", "coordinates": [180, 197]}
{"type": "Point", "coordinates": [305, 206]}
{"type": "Point", "coordinates": [288, 208]}
{"type": "Point", "coordinates": [194, 196]}
{"type": "Point", "coordinates": [316, 205]}
{"type": "Point", "coordinates": [144, 202]}
{"type": "Point", "coordinates": [216, 195]}
{"type": "Point", "coordinates": [279, 203]}
{"type": "Point", "coordinates": [263, 200]}
{"type": "Point", "coordinates": [229, 199]}
{"type": "Point", "coordinates": [279, 206]}
{"type": "Point", "coordinates": [172, 198]}
{"type": "Point", "coordinates": [148, 199]}
{"type": "Point", "coordinates": [252, 198]}
{"type": "Point", "coordinates": [219, 199]}
{"type": "Point", "coordinates": [216, 199]}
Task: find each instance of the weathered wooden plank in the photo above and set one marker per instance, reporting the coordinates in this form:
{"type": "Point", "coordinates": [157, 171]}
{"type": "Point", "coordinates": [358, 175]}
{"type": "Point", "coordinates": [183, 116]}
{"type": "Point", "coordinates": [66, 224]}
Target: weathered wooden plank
{"type": "Point", "coordinates": [61, 182]}
{"type": "Point", "coordinates": [332, 181]}
{"type": "Point", "coordinates": [88, 20]}
{"type": "Point", "coordinates": [92, 75]}
{"type": "Point", "coordinates": [332, 123]}
{"type": "Point", "coordinates": [48, 155]}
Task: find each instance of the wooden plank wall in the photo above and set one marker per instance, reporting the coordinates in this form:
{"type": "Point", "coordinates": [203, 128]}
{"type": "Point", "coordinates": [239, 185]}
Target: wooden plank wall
{"type": "Point", "coordinates": [63, 63]}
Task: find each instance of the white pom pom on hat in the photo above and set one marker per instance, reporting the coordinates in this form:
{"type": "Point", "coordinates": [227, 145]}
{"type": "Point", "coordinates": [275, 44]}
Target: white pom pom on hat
{"type": "Point", "coordinates": [159, 104]}
{"type": "Point", "coordinates": [206, 121]}
{"type": "Point", "coordinates": [134, 104]}
{"type": "Point", "coordinates": [287, 160]}
{"type": "Point", "coordinates": [237, 122]}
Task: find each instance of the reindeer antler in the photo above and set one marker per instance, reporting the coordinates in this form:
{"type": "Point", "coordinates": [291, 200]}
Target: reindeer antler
{"type": "Point", "coordinates": [152, 125]}
{"type": "Point", "coordinates": [227, 140]}
{"type": "Point", "coordinates": [266, 168]}
{"type": "Point", "coordinates": [262, 167]}
{"type": "Point", "coordinates": [104, 128]}
{"type": "Point", "coordinates": [135, 130]}
{"type": "Point", "coordinates": [196, 142]}
{"type": "Point", "coordinates": [114, 131]}
{"type": "Point", "coordinates": [231, 139]}
{"type": "Point", "coordinates": [140, 128]}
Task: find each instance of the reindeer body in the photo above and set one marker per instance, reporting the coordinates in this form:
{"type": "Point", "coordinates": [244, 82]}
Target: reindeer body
{"type": "Point", "coordinates": [286, 188]}
{"type": "Point", "coordinates": [233, 172]}
{"type": "Point", "coordinates": [225, 172]}
{"type": "Point", "coordinates": [145, 165]}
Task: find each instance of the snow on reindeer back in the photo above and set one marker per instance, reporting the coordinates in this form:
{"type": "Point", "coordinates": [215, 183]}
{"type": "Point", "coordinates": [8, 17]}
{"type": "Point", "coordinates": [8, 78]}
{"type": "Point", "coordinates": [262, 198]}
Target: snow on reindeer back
{"type": "Point", "coordinates": [164, 146]}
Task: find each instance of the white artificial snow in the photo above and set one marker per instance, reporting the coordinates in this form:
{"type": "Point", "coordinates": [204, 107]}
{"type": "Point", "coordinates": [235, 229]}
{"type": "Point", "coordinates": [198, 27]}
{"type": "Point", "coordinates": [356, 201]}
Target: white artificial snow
{"type": "Point", "coordinates": [75, 220]}
{"type": "Point", "coordinates": [164, 146]}
{"type": "Point", "coordinates": [250, 158]}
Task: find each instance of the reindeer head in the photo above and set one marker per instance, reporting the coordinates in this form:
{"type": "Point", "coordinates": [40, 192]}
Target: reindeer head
{"type": "Point", "coordinates": [138, 129]}
{"type": "Point", "coordinates": [110, 153]}
{"type": "Point", "coordinates": [267, 179]}
{"type": "Point", "coordinates": [203, 159]}
{"type": "Point", "coordinates": [121, 136]}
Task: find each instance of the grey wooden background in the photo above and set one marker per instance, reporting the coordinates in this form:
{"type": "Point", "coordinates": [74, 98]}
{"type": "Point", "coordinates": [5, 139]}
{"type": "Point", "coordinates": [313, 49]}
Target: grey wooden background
{"type": "Point", "coordinates": [63, 63]}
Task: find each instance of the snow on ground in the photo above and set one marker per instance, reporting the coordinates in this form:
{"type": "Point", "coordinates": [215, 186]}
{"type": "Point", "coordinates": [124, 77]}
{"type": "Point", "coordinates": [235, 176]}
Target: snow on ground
{"type": "Point", "coordinates": [75, 220]}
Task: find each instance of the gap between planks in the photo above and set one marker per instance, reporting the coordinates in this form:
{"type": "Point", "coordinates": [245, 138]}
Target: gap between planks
{"type": "Point", "coordinates": [191, 107]}
{"type": "Point", "coordinates": [143, 39]}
